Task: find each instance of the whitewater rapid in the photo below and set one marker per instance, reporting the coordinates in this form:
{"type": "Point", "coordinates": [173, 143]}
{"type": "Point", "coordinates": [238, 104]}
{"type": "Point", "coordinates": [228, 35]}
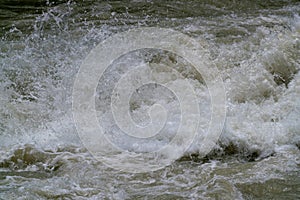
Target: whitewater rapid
{"type": "Point", "coordinates": [255, 47]}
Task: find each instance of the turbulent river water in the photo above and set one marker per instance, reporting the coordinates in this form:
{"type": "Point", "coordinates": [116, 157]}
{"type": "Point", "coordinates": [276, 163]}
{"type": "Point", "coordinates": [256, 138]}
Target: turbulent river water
{"type": "Point", "coordinates": [255, 45]}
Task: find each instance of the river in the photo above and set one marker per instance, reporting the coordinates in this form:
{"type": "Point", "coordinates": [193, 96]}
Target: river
{"type": "Point", "coordinates": [254, 45]}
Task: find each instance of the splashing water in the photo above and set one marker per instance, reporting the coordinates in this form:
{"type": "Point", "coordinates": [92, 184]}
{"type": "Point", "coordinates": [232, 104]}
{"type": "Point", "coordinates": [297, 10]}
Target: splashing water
{"type": "Point", "coordinates": [255, 46]}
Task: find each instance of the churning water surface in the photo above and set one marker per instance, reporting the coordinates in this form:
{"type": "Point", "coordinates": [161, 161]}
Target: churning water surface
{"type": "Point", "coordinates": [254, 44]}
